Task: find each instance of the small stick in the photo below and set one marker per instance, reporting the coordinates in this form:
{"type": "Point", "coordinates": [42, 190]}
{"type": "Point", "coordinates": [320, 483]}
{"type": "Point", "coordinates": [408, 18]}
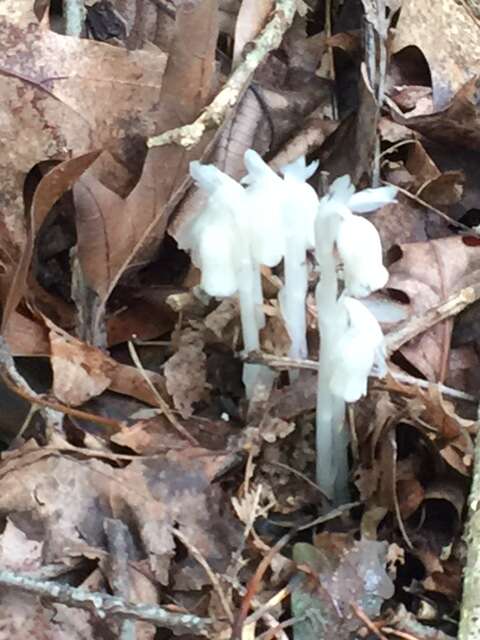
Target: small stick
{"type": "Point", "coordinates": [163, 404]}
{"type": "Point", "coordinates": [417, 324]}
{"type": "Point", "coordinates": [208, 570]}
{"type": "Point", "coordinates": [285, 363]}
{"type": "Point", "coordinates": [105, 605]}
{"type": "Point", "coordinates": [254, 583]}
{"type": "Point", "coordinates": [430, 207]}
{"type": "Point", "coordinates": [14, 381]}
{"type": "Point", "coordinates": [213, 115]}
{"type": "Point", "coordinates": [362, 616]}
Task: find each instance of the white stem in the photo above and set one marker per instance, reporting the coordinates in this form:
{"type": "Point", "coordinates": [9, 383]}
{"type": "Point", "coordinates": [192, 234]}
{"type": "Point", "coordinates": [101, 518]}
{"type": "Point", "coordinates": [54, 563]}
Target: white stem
{"type": "Point", "coordinates": [75, 12]}
{"type": "Point", "coordinates": [292, 297]}
{"type": "Point", "coordinates": [331, 436]}
{"type": "Point", "coordinates": [251, 299]}
{"type": "Point", "coordinates": [258, 295]}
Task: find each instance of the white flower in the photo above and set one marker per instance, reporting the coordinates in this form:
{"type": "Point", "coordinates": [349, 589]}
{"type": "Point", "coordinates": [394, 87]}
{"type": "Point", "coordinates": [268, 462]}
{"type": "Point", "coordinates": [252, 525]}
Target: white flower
{"type": "Point", "coordinates": [214, 255]}
{"type": "Point", "coordinates": [300, 207]}
{"type": "Point", "coordinates": [357, 350]}
{"type": "Point", "coordinates": [360, 250]}
{"type": "Point", "coordinates": [214, 237]}
{"type": "Point", "coordinates": [265, 195]}
{"type": "Point", "coordinates": [371, 199]}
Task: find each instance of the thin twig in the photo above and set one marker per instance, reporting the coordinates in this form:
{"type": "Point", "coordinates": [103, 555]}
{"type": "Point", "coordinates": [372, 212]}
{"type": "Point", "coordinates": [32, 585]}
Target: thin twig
{"type": "Point", "coordinates": [51, 409]}
{"type": "Point", "coordinates": [362, 616]}
{"type": "Point", "coordinates": [272, 602]}
{"type": "Point", "coordinates": [196, 553]}
{"type": "Point", "coordinates": [105, 605]}
{"type": "Point", "coordinates": [284, 363]}
{"type": "Point", "coordinates": [299, 474]}
{"type": "Point", "coordinates": [279, 629]}
{"type": "Point", "coordinates": [213, 115]}
{"type": "Point", "coordinates": [162, 404]}
{"type": "Point", "coordinates": [430, 207]}
{"type": "Point", "coordinates": [417, 324]}
{"type": "Point", "coordinates": [254, 583]}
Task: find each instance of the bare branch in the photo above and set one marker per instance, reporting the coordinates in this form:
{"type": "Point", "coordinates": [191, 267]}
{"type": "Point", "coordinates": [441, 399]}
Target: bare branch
{"type": "Point", "coordinates": [105, 605]}
{"type": "Point", "coordinates": [268, 40]}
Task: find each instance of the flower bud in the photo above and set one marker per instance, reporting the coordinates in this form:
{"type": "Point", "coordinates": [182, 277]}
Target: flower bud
{"type": "Point", "coordinates": [356, 351]}
{"type": "Point", "coordinates": [360, 250]}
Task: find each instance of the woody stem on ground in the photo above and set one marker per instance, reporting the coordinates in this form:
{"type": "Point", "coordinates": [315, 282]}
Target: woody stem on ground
{"type": "Point", "coordinates": [212, 116]}
{"type": "Point", "coordinates": [470, 611]}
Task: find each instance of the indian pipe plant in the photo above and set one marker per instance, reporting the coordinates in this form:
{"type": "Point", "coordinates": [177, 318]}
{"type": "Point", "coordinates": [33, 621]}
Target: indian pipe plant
{"type": "Point", "coordinates": [268, 218]}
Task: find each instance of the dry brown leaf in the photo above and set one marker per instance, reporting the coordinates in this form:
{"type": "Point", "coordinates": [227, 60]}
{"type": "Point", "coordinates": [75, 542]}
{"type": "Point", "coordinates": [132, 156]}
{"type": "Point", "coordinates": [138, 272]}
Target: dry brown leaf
{"type": "Point", "coordinates": [148, 437]}
{"type": "Point", "coordinates": [427, 273]}
{"type": "Point", "coordinates": [50, 188]}
{"type": "Point", "coordinates": [62, 95]}
{"type": "Point", "coordinates": [347, 575]}
{"type": "Point", "coordinates": [24, 616]}
{"type": "Point", "coordinates": [26, 336]}
{"type": "Point", "coordinates": [251, 18]}
{"type": "Point", "coordinates": [71, 496]}
{"type": "Point", "coordinates": [186, 372]}
{"type": "Point", "coordinates": [19, 552]}
{"type": "Point", "coordinates": [400, 223]}
{"type": "Point", "coordinates": [458, 124]}
{"type": "Point", "coordinates": [112, 230]}
{"type": "Point", "coordinates": [81, 371]}
{"type": "Point", "coordinates": [452, 64]}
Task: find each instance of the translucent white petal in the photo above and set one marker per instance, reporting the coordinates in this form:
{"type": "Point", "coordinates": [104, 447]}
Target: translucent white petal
{"type": "Point", "coordinates": [341, 190]}
{"type": "Point", "coordinates": [216, 260]}
{"type": "Point", "coordinates": [371, 199]}
{"type": "Point", "coordinates": [360, 250]}
{"type": "Point", "coordinates": [356, 351]}
{"type": "Point", "coordinates": [299, 170]}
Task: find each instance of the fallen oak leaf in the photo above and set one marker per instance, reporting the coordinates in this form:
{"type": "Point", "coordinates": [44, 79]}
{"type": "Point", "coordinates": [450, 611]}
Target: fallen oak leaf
{"type": "Point", "coordinates": [113, 231]}
{"type": "Point", "coordinates": [427, 273]}
{"type": "Point", "coordinates": [90, 371]}
{"type": "Point", "coordinates": [50, 188]}
{"type": "Point", "coordinates": [91, 92]}
{"type": "Point", "coordinates": [185, 371]}
{"type": "Point", "coordinates": [457, 124]}
{"type": "Point", "coordinates": [451, 64]}
{"type": "Point", "coordinates": [153, 495]}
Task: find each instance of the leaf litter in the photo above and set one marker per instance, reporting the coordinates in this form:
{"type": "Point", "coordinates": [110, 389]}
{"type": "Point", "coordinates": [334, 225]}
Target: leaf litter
{"type": "Point", "coordinates": [195, 504]}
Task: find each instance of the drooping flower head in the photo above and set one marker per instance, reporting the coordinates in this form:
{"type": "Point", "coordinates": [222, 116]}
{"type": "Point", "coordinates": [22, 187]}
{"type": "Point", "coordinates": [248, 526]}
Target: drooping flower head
{"type": "Point", "coordinates": [359, 347]}
{"type": "Point", "coordinates": [212, 237]}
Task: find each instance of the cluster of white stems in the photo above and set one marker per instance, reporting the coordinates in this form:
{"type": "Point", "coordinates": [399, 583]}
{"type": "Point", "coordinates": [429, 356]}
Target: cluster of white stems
{"type": "Point", "coordinates": [268, 218]}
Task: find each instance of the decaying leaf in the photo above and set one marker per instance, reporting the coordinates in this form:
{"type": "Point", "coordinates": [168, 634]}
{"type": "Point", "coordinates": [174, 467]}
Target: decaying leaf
{"type": "Point", "coordinates": [63, 95]}
{"type": "Point", "coordinates": [113, 230]}
{"type": "Point", "coordinates": [350, 574]}
{"type": "Point", "coordinates": [456, 124]}
{"type": "Point", "coordinates": [152, 496]}
{"type": "Point", "coordinates": [428, 272]}
{"type": "Point", "coordinates": [81, 372]}
{"type": "Point", "coordinates": [185, 372]}
{"type": "Point", "coordinates": [452, 64]}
